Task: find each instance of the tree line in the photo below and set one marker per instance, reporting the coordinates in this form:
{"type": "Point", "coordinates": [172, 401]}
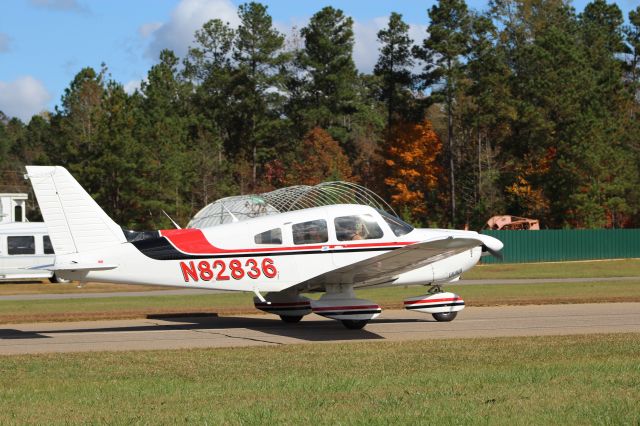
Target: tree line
{"type": "Point", "coordinates": [527, 108]}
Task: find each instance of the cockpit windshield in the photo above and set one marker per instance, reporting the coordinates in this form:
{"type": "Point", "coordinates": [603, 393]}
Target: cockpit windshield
{"type": "Point", "coordinates": [398, 226]}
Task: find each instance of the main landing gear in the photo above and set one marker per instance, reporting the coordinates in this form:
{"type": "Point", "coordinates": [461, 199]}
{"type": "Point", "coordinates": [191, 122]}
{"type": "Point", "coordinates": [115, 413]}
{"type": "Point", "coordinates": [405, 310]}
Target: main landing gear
{"type": "Point", "coordinates": [340, 303]}
{"type": "Point", "coordinates": [290, 306]}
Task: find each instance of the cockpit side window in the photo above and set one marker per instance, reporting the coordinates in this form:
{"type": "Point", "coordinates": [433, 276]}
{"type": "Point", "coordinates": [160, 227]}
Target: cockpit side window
{"type": "Point", "coordinates": [272, 236]}
{"type": "Point", "coordinates": [398, 226]}
{"type": "Point", "coordinates": [311, 232]}
{"type": "Point", "coordinates": [359, 227]}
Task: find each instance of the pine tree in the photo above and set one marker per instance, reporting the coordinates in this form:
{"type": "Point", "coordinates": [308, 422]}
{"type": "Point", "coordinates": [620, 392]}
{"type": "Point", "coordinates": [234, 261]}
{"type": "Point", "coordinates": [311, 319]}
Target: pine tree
{"type": "Point", "coordinates": [632, 40]}
{"type": "Point", "coordinates": [443, 52]}
{"type": "Point", "coordinates": [209, 68]}
{"type": "Point", "coordinates": [486, 112]}
{"type": "Point", "coordinates": [256, 99]}
{"type": "Point", "coordinates": [162, 132]}
{"type": "Point", "coordinates": [394, 67]}
{"type": "Point", "coordinates": [330, 74]}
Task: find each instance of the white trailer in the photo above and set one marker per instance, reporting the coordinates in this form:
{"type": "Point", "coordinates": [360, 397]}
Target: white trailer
{"type": "Point", "coordinates": [13, 207]}
{"type": "Point", "coordinates": [23, 245]}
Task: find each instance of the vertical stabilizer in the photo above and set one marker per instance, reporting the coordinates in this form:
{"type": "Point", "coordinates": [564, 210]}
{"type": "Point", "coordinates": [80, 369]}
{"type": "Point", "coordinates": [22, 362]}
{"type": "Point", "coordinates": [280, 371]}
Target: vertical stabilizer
{"type": "Point", "coordinates": [75, 221]}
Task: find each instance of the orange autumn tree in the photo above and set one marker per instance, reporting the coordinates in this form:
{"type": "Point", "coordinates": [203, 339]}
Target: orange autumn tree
{"type": "Point", "coordinates": [412, 170]}
{"type": "Point", "coordinates": [321, 159]}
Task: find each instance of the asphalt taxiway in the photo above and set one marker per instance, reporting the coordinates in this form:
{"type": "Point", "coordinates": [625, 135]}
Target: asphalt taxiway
{"type": "Point", "coordinates": [199, 331]}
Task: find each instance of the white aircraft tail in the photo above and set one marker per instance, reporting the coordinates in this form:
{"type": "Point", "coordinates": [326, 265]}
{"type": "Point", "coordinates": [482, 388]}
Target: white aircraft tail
{"type": "Point", "coordinates": [75, 221]}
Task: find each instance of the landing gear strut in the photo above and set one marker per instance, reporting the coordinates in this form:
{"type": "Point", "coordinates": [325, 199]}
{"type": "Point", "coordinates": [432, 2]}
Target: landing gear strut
{"type": "Point", "coordinates": [434, 289]}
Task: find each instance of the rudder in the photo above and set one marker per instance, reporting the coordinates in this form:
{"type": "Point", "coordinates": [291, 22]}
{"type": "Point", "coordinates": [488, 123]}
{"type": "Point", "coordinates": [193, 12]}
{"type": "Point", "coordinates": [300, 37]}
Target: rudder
{"type": "Point", "coordinates": [75, 221]}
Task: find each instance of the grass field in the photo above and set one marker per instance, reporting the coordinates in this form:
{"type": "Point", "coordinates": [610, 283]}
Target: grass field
{"type": "Point", "coordinates": [587, 269]}
{"type": "Point", "coordinates": [545, 380]}
{"type": "Point", "coordinates": [600, 269]}
{"type": "Point", "coordinates": [12, 311]}
{"type": "Point", "coordinates": [45, 287]}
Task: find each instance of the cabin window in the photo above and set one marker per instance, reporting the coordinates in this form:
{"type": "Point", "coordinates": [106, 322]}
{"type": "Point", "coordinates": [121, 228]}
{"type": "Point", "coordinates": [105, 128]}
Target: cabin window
{"type": "Point", "coordinates": [272, 236]}
{"type": "Point", "coordinates": [46, 243]}
{"type": "Point", "coordinates": [311, 232]}
{"type": "Point", "coordinates": [360, 227]}
{"type": "Point", "coordinates": [398, 226]}
{"type": "Point", "coordinates": [21, 245]}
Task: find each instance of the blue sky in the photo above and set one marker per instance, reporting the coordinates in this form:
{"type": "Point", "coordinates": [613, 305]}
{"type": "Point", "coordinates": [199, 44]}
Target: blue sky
{"type": "Point", "coordinates": [44, 43]}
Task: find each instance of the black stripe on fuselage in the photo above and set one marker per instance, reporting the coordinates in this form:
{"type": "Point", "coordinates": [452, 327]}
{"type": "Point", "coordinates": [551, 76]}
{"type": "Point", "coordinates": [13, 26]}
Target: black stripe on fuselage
{"type": "Point", "coordinates": [162, 249]}
{"type": "Point", "coordinates": [439, 305]}
{"type": "Point", "coordinates": [355, 312]}
{"type": "Point", "coordinates": [276, 309]}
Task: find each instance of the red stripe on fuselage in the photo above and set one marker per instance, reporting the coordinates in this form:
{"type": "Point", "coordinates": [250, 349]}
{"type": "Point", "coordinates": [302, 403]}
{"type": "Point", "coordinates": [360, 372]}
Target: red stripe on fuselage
{"type": "Point", "coordinates": [413, 302]}
{"type": "Point", "coordinates": [345, 308]}
{"type": "Point", "coordinates": [193, 241]}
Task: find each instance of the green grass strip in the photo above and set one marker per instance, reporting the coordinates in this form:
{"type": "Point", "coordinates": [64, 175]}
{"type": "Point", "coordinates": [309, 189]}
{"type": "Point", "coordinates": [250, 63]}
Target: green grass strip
{"type": "Point", "coordinates": [593, 379]}
{"type": "Point", "coordinates": [598, 269]}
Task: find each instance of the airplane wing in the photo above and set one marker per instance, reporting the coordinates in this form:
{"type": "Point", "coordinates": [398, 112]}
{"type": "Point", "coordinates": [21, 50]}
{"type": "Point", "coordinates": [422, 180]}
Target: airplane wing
{"type": "Point", "coordinates": [386, 267]}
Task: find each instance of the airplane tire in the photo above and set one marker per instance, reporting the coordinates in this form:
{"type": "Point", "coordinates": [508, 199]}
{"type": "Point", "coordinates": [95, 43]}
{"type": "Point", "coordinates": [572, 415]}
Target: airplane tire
{"type": "Point", "coordinates": [354, 324]}
{"type": "Point", "coordinates": [56, 279]}
{"type": "Point", "coordinates": [445, 316]}
{"type": "Point", "coordinates": [291, 318]}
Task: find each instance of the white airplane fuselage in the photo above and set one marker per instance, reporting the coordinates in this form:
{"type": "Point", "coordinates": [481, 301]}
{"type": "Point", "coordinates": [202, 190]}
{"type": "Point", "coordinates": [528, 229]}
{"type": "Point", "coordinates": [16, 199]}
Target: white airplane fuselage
{"type": "Point", "coordinates": [228, 257]}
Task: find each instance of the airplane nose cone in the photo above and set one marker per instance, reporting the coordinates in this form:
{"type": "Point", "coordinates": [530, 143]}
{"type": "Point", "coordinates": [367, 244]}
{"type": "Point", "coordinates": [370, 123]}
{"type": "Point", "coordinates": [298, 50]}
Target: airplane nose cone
{"type": "Point", "coordinates": [492, 245]}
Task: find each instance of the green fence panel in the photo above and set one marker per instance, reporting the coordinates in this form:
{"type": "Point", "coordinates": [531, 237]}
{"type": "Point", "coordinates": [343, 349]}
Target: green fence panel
{"type": "Point", "coordinates": [560, 245]}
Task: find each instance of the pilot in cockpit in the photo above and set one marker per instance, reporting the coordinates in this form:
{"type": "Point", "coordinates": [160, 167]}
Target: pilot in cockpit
{"type": "Point", "coordinates": [350, 228]}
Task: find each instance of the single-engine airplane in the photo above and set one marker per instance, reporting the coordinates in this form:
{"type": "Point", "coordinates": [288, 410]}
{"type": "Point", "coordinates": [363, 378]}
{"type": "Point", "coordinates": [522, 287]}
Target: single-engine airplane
{"type": "Point", "coordinates": [333, 248]}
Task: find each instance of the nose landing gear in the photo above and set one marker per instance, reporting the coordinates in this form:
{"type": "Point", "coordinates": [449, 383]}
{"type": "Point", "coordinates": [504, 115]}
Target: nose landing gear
{"type": "Point", "coordinates": [443, 306]}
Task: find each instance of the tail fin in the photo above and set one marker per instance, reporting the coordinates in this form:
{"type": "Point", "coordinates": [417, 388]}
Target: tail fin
{"type": "Point", "coordinates": [75, 221]}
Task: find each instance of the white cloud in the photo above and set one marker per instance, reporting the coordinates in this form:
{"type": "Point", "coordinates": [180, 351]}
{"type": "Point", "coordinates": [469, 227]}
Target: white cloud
{"type": "Point", "coordinates": [186, 18]}
{"type": "Point", "coordinates": [62, 5]}
{"type": "Point", "coordinates": [147, 29]}
{"type": "Point", "coordinates": [131, 86]}
{"type": "Point", "coordinates": [5, 42]}
{"type": "Point", "coordinates": [23, 98]}
{"type": "Point", "coordinates": [366, 46]}
{"type": "Point", "coordinates": [365, 49]}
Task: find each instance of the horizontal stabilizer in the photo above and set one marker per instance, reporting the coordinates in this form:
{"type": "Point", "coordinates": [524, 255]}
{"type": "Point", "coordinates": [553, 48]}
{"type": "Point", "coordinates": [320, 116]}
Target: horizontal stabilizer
{"type": "Point", "coordinates": [76, 266]}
